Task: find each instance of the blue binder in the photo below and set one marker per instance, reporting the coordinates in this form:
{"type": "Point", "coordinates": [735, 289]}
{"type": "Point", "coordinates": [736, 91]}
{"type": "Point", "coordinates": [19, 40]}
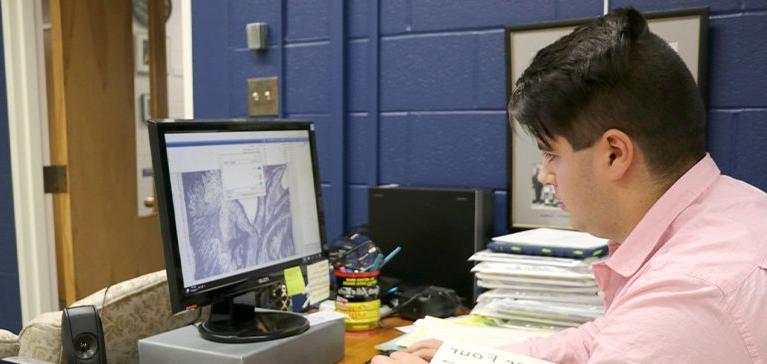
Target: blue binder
{"type": "Point", "coordinates": [547, 251]}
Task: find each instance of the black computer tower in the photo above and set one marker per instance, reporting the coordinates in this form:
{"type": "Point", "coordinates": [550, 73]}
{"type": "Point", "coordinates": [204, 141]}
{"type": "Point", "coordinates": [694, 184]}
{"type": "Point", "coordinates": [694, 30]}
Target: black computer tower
{"type": "Point", "coordinates": [438, 230]}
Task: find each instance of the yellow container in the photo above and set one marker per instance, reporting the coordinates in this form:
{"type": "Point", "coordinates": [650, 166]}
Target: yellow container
{"type": "Point", "coordinates": [358, 298]}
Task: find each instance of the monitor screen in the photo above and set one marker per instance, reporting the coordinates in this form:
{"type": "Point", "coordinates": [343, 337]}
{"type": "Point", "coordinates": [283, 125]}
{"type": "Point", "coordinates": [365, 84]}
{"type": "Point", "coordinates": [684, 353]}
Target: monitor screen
{"type": "Point", "coordinates": [240, 202]}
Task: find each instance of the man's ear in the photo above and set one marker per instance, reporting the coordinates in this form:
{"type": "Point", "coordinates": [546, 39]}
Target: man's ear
{"type": "Point", "coordinates": [617, 153]}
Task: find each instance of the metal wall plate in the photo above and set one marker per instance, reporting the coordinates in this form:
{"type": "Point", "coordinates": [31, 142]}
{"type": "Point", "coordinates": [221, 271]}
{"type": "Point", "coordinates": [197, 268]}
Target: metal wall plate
{"type": "Point", "coordinates": [263, 96]}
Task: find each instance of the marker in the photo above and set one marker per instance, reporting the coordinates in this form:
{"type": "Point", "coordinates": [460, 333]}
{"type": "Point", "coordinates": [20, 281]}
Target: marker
{"type": "Point", "coordinates": [390, 256]}
{"type": "Point", "coordinates": [390, 291]}
{"type": "Point", "coordinates": [376, 263]}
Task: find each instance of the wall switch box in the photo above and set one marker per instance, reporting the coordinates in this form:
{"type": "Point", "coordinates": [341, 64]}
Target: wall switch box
{"type": "Point", "coordinates": [257, 36]}
{"type": "Point", "coordinates": [263, 97]}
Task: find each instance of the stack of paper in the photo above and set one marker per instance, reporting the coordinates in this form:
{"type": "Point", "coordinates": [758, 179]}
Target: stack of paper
{"type": "Point", "coordinates": [526, 288]}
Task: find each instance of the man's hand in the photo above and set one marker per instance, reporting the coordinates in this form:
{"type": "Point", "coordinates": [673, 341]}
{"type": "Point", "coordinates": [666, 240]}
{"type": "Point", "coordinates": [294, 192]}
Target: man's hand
{"type": "Point", "coordinates": [397, 357]}
{"type": "Point", "coordinates": [418, 353]}
{"type": "Point", "coordinates": [425, 349]}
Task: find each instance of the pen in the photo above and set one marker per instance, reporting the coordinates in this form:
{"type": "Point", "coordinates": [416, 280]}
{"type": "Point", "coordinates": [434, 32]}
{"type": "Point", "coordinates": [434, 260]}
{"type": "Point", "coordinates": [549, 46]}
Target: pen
{"type": "Point", "coordinates": [390, 256]}
{"type": "Point", "coordinates": [374, 267]}
{"type": "Point", "coordinates": [391, 290]}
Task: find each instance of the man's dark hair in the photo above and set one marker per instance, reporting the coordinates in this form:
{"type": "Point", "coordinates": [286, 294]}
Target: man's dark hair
{"type": "Point", "coordinates": [614, 73]}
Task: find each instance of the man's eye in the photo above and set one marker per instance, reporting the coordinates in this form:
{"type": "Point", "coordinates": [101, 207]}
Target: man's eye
{"type": "Point", "coordinates": [548, 156]}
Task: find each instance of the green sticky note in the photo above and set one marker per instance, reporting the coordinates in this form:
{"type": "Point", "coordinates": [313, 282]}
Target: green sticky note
{"type": "Point", "coordinates": [294, 280]}
{"type": "Point", "coordinates": [597, 252]}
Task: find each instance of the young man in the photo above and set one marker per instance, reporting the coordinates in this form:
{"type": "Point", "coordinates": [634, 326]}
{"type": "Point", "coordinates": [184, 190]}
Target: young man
{"type": "Point", "coordinates": [621, 125]}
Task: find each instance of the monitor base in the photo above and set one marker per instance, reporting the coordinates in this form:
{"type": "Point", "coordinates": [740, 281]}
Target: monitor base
{"type": "Point", "coordinates": [239, 323]}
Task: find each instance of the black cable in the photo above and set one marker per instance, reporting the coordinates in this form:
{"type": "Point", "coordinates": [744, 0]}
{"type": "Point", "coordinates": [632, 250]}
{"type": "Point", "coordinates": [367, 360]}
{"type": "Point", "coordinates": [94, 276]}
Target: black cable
{"type": "Point", "coordinates": [104, 300]}
{"type": "Point", "coordinates": [411, 299]}
{"type": "Point", "coordinates": [455, 300]}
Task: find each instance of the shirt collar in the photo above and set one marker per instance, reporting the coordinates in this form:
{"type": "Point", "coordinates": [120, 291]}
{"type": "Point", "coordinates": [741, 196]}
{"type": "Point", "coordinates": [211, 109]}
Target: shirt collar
{"type": "Point", "coordinates": [645, 237]}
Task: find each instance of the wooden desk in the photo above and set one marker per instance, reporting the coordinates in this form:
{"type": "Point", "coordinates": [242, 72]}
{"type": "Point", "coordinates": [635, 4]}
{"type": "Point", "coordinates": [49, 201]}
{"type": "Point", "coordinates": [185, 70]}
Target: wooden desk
{"type": "Point", "coordinates": [360, 348]}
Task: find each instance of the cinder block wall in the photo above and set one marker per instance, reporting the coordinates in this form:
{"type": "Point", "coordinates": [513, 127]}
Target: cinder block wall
{"type": "Point", "coordinates": [413, 91]}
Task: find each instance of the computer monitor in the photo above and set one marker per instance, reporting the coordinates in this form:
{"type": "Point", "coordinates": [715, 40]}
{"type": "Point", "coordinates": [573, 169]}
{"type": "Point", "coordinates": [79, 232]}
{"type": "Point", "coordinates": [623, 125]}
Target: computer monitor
{"type": "Point", "coordinates": [239, 202]}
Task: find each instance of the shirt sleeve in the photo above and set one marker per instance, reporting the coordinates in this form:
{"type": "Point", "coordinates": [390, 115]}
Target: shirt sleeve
{"type": "Point", "coordinates": [680, 319]}
{"type": "Point", "coordinates": [567, 346]}
{"type": "Point", "coordinates": [663, 320]}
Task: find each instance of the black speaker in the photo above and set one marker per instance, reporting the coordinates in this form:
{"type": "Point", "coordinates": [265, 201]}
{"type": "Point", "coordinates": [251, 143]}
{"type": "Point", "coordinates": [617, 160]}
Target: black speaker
{"type": "Point", "coordinates": [82, 337]}
{"type": "Point", "coordinates": [438, 229]}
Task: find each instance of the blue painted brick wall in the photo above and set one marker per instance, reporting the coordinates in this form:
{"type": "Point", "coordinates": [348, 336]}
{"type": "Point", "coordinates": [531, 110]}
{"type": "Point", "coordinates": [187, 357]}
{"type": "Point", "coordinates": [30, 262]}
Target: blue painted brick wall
{"type": "Point", "coordinates": [10, 305]}
{"type": "Point", "coordinates": [438, 95]}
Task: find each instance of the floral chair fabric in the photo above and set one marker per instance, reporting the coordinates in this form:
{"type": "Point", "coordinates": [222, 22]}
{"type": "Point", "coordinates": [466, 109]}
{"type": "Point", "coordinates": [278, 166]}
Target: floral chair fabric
{"type": "Point", "coordinates": [9, 344]}
{"type": "Point", "coordinates": [134, 309]}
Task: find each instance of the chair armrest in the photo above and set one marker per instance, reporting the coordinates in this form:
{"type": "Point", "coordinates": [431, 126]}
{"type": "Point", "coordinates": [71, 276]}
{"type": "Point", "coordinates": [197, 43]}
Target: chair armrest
{"type": "Point", "coordinates": [9, 344]}
{"type": "Point", "coordinates": [40, 339]}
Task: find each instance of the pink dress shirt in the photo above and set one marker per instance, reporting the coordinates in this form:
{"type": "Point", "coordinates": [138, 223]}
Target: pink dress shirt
{"type": "Point", "coordinates": [688, 285]}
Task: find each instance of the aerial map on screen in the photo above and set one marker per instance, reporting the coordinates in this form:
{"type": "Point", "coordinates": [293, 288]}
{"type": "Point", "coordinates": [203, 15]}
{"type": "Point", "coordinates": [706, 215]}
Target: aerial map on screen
{"type": "Point", "coordinates": [222, 236]}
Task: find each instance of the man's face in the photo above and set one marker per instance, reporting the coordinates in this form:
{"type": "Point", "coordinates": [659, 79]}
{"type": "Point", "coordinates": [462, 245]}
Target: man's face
{"type": "Point", "coordinates": [573, 176]}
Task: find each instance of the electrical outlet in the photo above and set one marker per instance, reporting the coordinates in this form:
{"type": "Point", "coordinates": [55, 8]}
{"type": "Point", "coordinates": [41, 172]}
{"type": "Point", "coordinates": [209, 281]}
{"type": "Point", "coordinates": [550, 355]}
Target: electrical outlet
{"type": "Point", "coordinates": [263, 96]}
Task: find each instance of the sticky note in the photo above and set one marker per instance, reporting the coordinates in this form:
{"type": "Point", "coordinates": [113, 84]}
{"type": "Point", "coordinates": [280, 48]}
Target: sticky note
{"type": "Point", "coordinates": [294, 280]}
{"type": "Point", "coordinates": [318, 287]}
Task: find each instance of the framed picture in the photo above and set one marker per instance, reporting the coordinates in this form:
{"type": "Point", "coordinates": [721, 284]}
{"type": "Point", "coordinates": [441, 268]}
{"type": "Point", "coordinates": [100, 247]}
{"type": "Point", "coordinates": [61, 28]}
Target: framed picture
{"type": "Point", "coordinates": [141, 51]}
{"type": "Point", "coordinates": [530, 203]}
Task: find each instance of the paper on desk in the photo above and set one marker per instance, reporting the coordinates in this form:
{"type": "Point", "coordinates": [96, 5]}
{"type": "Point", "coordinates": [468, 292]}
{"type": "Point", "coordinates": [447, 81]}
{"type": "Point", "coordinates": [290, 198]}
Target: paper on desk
{"type": "Point", "coordinates": [319, 317]}
{"type": "Point", "coordinates": [521, 286]}
{"type": "Point", "coordinates": [318, 287]}
{"type": "Point", "coordinates": [553, 238]}
{"type": "Point", "coordinates": [500, 293]}
{"type": "Point", "coordinates": [550, 313]}
{"type": "Point", "coordinates": [572, 264]}
{"type": "Point", "coordinates": [444, 330]}
{"type": "Point", "coordinates": [533, 271]}
{"type": "Point", "coordinates": [453, 352]}
{"type": "Point", "coordinates": [390, 345]}
{"type": "Point", "coordinates": [534, 280]}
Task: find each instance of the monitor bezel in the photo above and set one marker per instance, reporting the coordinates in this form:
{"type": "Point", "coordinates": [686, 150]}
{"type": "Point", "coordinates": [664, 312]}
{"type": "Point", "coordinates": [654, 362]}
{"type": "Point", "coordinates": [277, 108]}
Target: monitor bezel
{"type": "Point", "coordinates": [224, 288]}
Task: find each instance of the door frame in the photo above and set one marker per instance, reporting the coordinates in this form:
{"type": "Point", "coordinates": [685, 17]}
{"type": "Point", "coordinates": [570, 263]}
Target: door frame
{"type": "Point", "coordinates": [186, 54]}
{"type": "Point", "coordinates": [28, 132]}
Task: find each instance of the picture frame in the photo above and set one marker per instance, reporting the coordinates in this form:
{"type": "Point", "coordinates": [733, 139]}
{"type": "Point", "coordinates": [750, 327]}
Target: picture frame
{"type": "Point", "coordinates": [141, 52]}
{"type": "Point", "coordinates": [531, 204]}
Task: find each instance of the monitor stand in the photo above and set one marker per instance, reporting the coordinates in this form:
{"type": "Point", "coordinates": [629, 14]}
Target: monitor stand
{"type": "Point", "coordinates": [231, 322]}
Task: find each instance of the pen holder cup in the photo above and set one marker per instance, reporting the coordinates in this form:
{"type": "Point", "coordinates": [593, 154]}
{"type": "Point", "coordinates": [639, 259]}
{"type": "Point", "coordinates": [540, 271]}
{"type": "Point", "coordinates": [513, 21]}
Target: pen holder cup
{"type": "Point", "coordinates": [358, 297]}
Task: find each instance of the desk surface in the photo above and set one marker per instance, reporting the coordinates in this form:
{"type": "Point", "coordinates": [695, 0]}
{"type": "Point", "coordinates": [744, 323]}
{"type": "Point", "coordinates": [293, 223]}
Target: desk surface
{"type": "Point", "coordinates": [360, 348]}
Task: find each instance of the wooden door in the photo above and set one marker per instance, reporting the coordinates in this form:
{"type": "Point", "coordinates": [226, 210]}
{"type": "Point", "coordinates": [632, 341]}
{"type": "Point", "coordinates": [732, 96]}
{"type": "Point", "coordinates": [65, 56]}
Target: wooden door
{"type": "Point", "coordinates": [99, 237]}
